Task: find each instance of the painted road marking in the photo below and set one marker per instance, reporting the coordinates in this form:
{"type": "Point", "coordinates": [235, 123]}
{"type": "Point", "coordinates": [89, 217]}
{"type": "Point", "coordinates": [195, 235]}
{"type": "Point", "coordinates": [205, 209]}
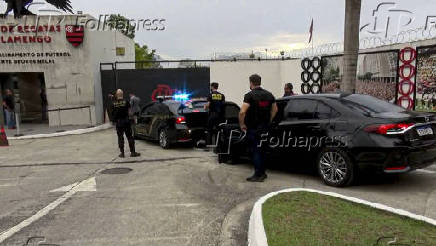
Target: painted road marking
{"type": "Point", "coordinates": [88, 185]}
{"type": "Point", "coordinates": [85, 185]}
{"type": "Point", "coordinates": [8, 182]}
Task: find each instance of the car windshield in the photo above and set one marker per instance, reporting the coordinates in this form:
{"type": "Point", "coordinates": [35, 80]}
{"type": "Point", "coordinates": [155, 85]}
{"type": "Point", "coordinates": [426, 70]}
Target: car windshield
{"type": "Point", "coordinates": [369, 105]}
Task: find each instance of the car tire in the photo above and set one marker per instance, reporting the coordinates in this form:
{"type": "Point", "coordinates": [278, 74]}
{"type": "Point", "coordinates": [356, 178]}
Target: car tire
{"type": "Point", "coordinates": [335, 167]}
{"type": "Point", "coordinates": [164, 141]}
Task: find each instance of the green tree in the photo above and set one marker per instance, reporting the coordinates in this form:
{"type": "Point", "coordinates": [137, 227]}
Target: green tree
{"type": "Point", "coordinates": [121, 24]}
{"type": "Point", "coordinates": [145, 57]}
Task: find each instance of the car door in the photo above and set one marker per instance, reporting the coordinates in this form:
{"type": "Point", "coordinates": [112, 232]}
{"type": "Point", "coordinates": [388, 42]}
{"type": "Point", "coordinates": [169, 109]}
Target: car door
{"type": "Point", "coordinates": [322, 127]}
{"type": "Point", "coordinates": [144, 120]}
{"type": "Point", "coordinates": [162, 119]}
{"type": "Point", "coordinates": [291, 137]}
{"type": "Point", "coordinates": [231, 113]}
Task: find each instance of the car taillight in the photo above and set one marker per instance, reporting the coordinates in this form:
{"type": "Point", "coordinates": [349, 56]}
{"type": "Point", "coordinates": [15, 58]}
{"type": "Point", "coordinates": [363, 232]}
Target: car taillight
{"type": "Point", "coordinates": [388, 128]}
{"type": "Point", "coordinates": [180, 120]}
{"type": "Point", "coordinates": [400, 168]}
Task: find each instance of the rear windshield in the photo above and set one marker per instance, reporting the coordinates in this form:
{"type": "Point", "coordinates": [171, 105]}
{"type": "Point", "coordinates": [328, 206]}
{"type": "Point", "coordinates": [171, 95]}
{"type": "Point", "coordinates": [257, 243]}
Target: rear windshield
{"type": "Point", "coordinates": [198, 104]}
{"type": "Point", "coordinates": [174, 106]}
{"type": "Point", "coordinates": [369, 105]}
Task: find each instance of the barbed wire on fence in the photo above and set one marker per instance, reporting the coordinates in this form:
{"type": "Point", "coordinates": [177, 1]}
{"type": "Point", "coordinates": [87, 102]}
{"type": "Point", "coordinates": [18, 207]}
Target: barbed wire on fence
{"type": "Point", "coordinates": [370, 42]}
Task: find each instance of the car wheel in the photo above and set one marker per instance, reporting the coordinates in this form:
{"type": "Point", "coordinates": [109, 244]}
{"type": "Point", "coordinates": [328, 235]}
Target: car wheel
{"type": "Point", "coordinates": [164, 141]}
{"type": "Point", "coordinates": [335, 167]}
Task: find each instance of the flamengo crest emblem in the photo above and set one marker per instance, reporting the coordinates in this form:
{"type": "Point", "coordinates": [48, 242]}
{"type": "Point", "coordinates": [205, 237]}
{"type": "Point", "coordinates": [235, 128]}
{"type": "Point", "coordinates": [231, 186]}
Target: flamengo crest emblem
{"type": "Point", "coordinates": [75, 34]}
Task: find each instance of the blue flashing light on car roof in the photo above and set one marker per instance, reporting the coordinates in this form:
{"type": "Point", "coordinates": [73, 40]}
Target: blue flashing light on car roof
{"type": "Point", "coordinates": [181, 97]}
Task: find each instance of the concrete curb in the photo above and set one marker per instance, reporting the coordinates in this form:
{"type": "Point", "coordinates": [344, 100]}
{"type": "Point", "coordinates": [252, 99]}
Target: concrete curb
{"type": "Point", "coordinates": [256, 230]}
{"type": "Point", "coordinates": [66, 133]}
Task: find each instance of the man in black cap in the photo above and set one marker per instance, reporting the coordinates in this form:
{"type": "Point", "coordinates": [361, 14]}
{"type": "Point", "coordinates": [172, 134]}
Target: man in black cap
{"type": "Point", "coordinates": [121, 111]}
{"type": "Point", "coordinates": [257, 112]}
{"type": "Point", "coordinates": [215, 105]}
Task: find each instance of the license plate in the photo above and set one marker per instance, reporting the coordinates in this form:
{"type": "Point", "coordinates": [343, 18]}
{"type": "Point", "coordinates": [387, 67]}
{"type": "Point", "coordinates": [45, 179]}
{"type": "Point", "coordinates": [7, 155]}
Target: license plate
{"type": "Point", "coordinates": [424, 131]}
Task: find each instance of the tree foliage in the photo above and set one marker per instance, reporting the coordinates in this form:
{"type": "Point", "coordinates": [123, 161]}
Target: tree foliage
{"type": "Point", "coordinates": [122, 24]}
{"type": "Point", "coordinates": [145, 56]}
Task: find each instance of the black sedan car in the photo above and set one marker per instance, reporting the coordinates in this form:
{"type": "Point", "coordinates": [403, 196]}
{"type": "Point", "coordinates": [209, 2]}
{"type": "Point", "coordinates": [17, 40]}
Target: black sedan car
{"type": "Point", "coordinates": [341, 134]}
{"type": "Point", "coordinates": [170, 122]}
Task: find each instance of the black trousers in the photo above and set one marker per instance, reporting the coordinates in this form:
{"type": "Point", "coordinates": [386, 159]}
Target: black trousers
{"type": "Point", "coordinates": [257, 150]}
{"type": "Point", "coordinates": [125, 129]}
{"type": "Point", "coordinates": [212, 124]}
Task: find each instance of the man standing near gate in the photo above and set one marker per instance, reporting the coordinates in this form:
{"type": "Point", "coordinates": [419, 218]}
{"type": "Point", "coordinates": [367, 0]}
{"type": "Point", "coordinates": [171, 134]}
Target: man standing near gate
{"type": "Point", "coordinates": [215, 105]}
{"type": "Point", "coordinates": [257, 112]}
{"type": "Point", "coordinates": [121, 110]}
{"type": "Point", "coordinates": [9, 109]}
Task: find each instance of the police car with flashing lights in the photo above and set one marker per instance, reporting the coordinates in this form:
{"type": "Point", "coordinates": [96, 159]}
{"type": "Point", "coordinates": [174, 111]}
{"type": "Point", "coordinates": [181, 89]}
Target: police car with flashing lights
{"type": "Point", "coordinates": [177, 119]}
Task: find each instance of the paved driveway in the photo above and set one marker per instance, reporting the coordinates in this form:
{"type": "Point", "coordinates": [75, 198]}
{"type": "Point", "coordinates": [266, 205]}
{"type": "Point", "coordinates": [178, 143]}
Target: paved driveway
{"type": "Point", "coordinates": [166, 197]}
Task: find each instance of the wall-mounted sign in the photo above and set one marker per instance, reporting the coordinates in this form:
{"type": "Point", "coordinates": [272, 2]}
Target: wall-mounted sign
{"type": "Point", "coordinates": [24, 58]}
{"type": "Point", "coordinates": [120, 51]}
{"type": "Point", "coordinates": [27, 34]}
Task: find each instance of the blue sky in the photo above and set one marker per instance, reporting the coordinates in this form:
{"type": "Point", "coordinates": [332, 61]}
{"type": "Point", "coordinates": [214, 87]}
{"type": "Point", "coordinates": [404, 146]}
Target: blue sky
{"type": "Point", "coordinates": [199, 28]}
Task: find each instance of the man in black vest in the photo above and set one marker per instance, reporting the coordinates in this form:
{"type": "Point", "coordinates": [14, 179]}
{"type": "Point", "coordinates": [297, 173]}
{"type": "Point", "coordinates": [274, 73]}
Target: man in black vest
{"type": "Point", "coordinates": [215, 105]}
{"type": "Point", "coordinates": [257, 112]}
{"type": "Point", "coordinates": [121, 110]}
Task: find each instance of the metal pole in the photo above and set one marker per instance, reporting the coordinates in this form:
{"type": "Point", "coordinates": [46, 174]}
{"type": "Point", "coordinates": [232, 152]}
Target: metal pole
{"type": "Point", "coordinates": [17, 121]}
{"type": "Point", "coordinates": [59, 114]}
{"type": "Point", "coordinates": [90, 116]}
{"type": "Point", "coordinates": [116, 76]}
{"type": "Point", "coordinates": [2, 119]}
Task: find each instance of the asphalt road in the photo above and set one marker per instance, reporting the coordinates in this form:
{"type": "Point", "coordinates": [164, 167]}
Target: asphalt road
{"type": "Point", "coordinates": [166, 197]}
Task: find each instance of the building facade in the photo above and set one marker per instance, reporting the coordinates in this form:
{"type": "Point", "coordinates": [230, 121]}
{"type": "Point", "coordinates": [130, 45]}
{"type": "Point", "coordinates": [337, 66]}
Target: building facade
{"type": "Point", "coordinates": [58, 58]}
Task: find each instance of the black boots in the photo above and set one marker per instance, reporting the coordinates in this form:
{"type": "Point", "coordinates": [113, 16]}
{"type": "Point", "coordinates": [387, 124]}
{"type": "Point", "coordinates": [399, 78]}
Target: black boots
{"type": "Point", "coordinates": [257, 178]}
{"type": "Point", "coordinates": [135, 154]}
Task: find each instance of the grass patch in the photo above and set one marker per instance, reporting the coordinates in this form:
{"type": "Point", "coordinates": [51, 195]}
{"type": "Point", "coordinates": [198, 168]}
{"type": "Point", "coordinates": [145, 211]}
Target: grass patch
{"type": "Point", "coordinates": [305, 218]}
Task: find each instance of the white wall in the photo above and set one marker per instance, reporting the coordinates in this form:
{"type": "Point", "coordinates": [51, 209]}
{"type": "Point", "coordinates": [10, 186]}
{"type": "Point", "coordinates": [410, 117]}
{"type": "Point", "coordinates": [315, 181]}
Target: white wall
{"type": "Point", "coordinates": [103, 47]}
{"type": "Point", "coordinates": [234, 82]}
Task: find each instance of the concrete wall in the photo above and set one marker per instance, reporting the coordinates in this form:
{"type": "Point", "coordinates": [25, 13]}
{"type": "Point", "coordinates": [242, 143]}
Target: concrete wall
{"type": "Point", "coordinates": [72, 81]}
{"type": "Point", "coordinates": [234, 83]}
{"type": "Point", "coordinates": [106, 53]}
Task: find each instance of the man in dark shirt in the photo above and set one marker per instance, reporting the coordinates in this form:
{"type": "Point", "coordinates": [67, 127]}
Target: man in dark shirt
{"type": "Point", "coordinates": [257, 112]}
{"type": "Point", "coordinates": [9, 109]}
{"type": "Point", "coordinates": [121, 111]}
{"type": "Point", "coordinates": [289, 90]}
{"type": "Point", "coordinates": [215, 105]}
